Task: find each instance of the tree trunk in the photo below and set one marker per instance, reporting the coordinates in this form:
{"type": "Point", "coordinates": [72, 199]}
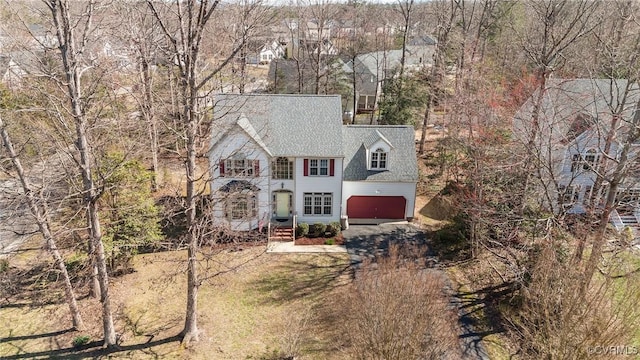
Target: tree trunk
{"type": "Point", "coordinates": [40, 215]}
{"type": "Point", "coordinates": [191, 332]}
{"type": "Point", "coordinates": [65, 32]}
{"type": "Point", "coordinates": [243, 69]}
{"type": "Point", "coordinates": [355, 90]}
{"type": "Point", "coordinates": [149, 114]}
{"type": "Point", "coordinates": [616, 180]}
{"type": "Point", "coordinates": [425, 122]}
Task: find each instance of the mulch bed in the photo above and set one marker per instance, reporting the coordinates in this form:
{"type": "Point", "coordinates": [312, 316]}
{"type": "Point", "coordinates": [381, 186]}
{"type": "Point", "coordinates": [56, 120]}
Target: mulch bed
{"type": "Point", "coordinates": [337, 240]}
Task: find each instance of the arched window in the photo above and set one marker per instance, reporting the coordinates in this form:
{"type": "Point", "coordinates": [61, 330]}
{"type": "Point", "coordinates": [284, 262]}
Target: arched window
{"type": "Point", "coordinates": [242, 206]}
{"type": "Point", "coordinates": [379, 159]}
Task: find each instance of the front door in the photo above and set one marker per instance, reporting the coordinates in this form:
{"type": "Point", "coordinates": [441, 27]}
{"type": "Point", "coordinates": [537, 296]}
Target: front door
{"type": "Point", "coordinates": [282, 204]}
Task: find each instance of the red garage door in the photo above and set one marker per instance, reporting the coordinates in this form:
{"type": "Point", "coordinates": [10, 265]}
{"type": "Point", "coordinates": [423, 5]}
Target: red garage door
{"type": "Point", "coordinates": [376, 207]}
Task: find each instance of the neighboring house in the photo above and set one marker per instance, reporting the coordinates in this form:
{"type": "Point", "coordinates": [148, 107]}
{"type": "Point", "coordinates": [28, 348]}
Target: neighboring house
{"type": "Point", "coordinates": [374, 68]}
{"type": "Point", "coordinates": [315, 31]}
{"type": "Point", "coordinates": [325, 47]}
{"type": "Point", "coordinates": [11, 74]}
{"type": "Point", "coordinates": [370, 71]}
{"type": "Point", "coordinates": [16, 66]}
{"type": "Point", "coordinates": [420, 51]}
{"type": "Point", "coordinates": [272, 50]}
{"type": "Point", "coordinates": [287, 159]}
{"type": "Point", "coordinates": [118, 54]}
{"type": "Point", "coordinates": [299, 76]}
{"type": "Point", "coordinates": [576, 117]}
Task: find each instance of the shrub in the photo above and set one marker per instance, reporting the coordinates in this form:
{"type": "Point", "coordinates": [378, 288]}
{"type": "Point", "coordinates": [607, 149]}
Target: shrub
{"type": "Point", "coordinates": [317, 230]}
{"type": "Point", "coordinates": [396, 309]}
{"type": "Point", "coordinates": [333, 228]}
{"type": "Point", "coordinates": [558, 315]}
{"type": "Point", "coordinates": [329, 242]}
{"type": "Point", "coordinates": [78, 341]}
{"type": "Point", "coordinates": [302, 230]}
{"type": "Point", "coordinates": [76, 262]}
{"type": "Point", "coordinates": [4, 265]}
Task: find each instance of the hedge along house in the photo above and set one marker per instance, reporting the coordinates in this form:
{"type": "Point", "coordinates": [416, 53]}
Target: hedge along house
{"type": "Point", "coordinates": [287, 159]}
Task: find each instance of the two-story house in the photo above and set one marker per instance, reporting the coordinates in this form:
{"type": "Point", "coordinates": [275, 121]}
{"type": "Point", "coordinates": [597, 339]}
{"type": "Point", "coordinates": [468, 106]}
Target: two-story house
{"type": "Point", "coordinates": [283, 159]}
{"type": "Point", "coordinates": [581, 127]}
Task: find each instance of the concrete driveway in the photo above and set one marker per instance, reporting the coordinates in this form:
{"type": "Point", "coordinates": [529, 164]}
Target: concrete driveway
{"type": "Point", "coordinates": [370, 240]}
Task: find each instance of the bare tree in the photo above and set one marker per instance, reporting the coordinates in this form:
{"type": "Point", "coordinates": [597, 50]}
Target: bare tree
{"type": "Point", "coordinates": [38, 207]}
{"type": "Point", "coordinates": [405, 7]}
{"type": "Point", "coordinates": [144, 36]}
{"type": "Point", "coordinates": [184, 28]}
{"type": "Point", "coordinates": [397, 309]}
{"type": "Point", "coordinates": [445, 16]}
{"type": "Point", "coordinates": [554, 26]}
{"type": "Point", "coordinates": [73, 34]}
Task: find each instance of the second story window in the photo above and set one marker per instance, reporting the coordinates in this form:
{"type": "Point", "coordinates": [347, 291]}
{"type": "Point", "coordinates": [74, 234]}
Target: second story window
{"type": "Point", "coordinates": [378, 160]}
{"type": "Point", "coordinates": [239, 167]}
{"type": "Point", "coordinates": [585, 161]}
{"type": "Point", "coordinates": [318, 167]}
{"type": "Point", "coordinates": [590, 160]}
{"type": "Point", "coordinates": [282, 169]}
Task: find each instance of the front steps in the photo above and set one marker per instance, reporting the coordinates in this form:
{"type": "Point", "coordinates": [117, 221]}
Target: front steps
{"type": "Point", "coordinates": [281, 234]}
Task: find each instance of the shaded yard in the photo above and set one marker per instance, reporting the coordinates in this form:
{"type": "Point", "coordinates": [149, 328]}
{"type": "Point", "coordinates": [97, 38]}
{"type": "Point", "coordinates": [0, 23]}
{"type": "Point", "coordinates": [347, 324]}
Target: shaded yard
{"type": "Point", "coordinates": [266, 305]}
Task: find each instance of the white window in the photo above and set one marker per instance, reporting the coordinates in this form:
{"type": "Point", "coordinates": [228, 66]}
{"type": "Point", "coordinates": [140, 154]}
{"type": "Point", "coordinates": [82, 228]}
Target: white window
{"type": "Point", "coordinates": [282, 168]}
{"type": "Point", "coordinates": [590, 160]}
{"type": "Point", "coordinates": [317, 204]}
{"type": "Point", "coordinates": [584, 161]}
{"type": "Point", "coordinates": [318, 167]}
{"type": "Point", "coordinates": [570, 194]}
{"type": "Point", "coordinates": [379, 160]}
{"type": "Point", "coordinates": [240, 167]}
{"type": "Point", "coordinates": [242, 206]}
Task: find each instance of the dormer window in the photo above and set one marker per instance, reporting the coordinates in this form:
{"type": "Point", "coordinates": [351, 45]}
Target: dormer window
{"type": "Point", "coordinates": [379, 159]}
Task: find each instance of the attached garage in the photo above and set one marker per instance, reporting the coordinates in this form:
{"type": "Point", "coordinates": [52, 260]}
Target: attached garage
{"type": "Point", "coordinates": [376, 207]}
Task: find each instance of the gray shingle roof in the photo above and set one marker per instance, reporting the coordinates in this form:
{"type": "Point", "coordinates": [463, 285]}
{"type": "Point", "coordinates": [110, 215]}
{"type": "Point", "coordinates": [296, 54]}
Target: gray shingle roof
{"type": "Point", "coordinates": [288, 125]}
{"type": "Point", "coordinates": [568, 99]}
{"type": "Point", "coordinates": [402, 163]}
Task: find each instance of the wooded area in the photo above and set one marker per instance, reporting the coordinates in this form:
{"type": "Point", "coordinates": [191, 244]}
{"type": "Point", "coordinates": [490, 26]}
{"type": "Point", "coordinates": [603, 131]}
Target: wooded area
{"type": "Point", "coordinates": [106, 115]}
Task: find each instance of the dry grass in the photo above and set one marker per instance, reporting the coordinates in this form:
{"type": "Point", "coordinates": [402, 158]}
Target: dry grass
{"type": "Point", "coordinates": [260, 307]}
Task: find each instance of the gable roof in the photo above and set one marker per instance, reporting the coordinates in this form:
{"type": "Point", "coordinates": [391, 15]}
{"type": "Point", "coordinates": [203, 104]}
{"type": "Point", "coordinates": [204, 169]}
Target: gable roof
{"type": "Point", "coordinates": [238, 185]}
{"type": "Point", "coordinates": [402, 165]}
{"type": "Point", "coordinates": [570, 107]}
{"type": "Point", "coordinates": [421, 40]}
{"type": "Point", "coordinates": [285, 125]}
{"type": "Point", "coordinates": [374, 137]}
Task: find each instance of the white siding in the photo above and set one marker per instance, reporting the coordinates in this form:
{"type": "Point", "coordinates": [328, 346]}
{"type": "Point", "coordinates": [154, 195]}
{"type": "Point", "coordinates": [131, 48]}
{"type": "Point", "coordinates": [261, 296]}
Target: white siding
{"type": "Point", "coordinates": [238, 141]}
{"type": "Point", "coordinates": [369, 188]}
{"type": "Point", "coordinates": [317, 184]}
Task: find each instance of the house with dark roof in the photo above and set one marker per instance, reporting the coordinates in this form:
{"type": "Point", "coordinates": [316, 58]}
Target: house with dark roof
{"type": "Point", "coordinates": [369, 71]}
{"type": "Point", "coordinates": [287, 159]}
{"type": "Point", "coordinates": [581, 130]}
